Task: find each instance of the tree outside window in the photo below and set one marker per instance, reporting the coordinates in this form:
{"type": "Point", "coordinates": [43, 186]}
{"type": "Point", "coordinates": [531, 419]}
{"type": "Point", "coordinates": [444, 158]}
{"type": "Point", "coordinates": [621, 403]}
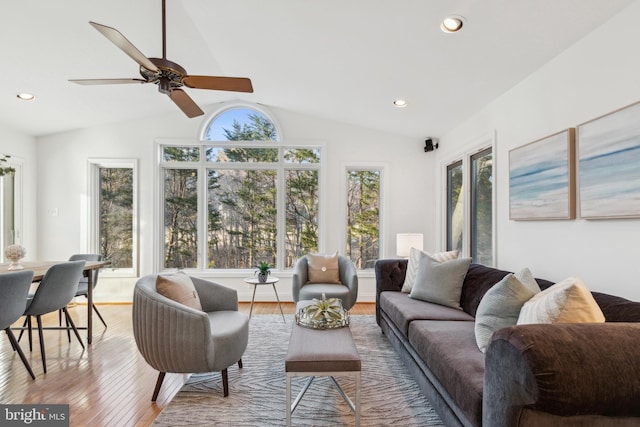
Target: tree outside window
{"type": "Point", "coordinates": [113, 186]}
{"type": "Point", "coordinates": [455, 213]}
{"type": "Point", "coordinates": [251, 184]}
{"type": "Point", "coordinates": [363, 217]}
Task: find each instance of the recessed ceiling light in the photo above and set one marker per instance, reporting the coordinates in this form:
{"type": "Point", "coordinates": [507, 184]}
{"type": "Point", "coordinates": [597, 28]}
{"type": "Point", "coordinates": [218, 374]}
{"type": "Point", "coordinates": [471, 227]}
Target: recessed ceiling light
{"type": "Point", "coordinates": [452, 24]}
{"type": "Point", "coordinates": [400, 103]}
{"type": "Point", "coordinates": [25, 96]}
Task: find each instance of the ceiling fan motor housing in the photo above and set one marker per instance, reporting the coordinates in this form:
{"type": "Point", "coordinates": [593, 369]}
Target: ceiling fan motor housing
{"type": "Point", "coordinates": [168, 77]}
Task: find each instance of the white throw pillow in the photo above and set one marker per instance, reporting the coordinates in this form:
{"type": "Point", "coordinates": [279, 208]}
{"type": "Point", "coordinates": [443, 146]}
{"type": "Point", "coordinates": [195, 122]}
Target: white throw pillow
{"type": "Point", "coordinates": [440, 283]}
{"type": "Point", "coordinates": [412, 265]}
{"type": "Point", "coordinates": [569, 301]}
{"type": "Point", "coordinates": [500, 306]}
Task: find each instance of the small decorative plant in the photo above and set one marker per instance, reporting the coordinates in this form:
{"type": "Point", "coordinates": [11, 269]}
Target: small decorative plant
{"type": "Point", "coordinates": [326, 313]}
{"type": "Point", "coordinates": [325, 310]}
{"type": "Point", "coordinates": [15, 253]}
{"type": "Point", "coordinates": [263, 271]}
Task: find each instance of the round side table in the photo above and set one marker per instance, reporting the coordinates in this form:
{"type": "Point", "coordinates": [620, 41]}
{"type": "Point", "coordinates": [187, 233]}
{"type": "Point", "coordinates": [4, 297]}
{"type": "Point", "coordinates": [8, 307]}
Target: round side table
{"type": "Point", "coordinates": [271, 280]}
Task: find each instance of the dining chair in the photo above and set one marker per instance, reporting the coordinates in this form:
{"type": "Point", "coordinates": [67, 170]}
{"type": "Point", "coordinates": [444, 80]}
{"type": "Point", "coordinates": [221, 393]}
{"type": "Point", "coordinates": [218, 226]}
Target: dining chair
{"type": "Point", "coordinates": [56, 290]}
{"type": "Point", "coordinates": [14, 289]}
{"type": "Point", "coordinates": [83, 284]}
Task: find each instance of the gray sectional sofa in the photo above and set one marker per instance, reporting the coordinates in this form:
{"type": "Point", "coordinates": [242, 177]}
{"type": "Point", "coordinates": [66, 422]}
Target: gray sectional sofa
{"type": "Point", "coordinates": [571, 374]}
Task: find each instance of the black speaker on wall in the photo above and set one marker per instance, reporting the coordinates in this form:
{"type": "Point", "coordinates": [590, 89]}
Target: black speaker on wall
{"type": "Point", "coordinates": [430, 144]}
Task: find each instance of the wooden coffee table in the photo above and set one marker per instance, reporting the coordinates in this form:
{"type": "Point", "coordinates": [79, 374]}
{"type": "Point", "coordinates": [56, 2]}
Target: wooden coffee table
{"type": "Point", "coordinates": [322, 352]}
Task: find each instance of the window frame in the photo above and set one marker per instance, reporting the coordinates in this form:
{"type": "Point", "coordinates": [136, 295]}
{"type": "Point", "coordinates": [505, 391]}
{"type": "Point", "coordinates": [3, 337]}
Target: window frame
{"type": "Point", "coordinates": [202, 165]}
{"type": "Point", "coordinates": [382, 230]}
{"type": "Point", "coordinates": [479, 145]}
{"type": "Point", "coordinates": [93, 237]}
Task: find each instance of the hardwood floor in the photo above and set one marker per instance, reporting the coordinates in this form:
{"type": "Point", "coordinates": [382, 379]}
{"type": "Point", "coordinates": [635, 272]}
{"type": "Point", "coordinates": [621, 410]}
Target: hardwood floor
{"type": "Point", "coordinates": [108, 383]}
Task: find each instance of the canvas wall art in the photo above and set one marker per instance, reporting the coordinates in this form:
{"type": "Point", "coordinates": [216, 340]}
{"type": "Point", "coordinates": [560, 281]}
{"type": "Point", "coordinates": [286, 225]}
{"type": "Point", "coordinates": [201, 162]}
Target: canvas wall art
{"type": "Point", "coordinates": [609, 165]}
{"type": "Point", "coordinates": [542, 178]}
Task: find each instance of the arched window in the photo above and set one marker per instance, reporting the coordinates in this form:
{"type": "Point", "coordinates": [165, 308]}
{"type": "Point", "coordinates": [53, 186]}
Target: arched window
{"type": "Point", "coordinates": [241, 124]}
{"type": "Point", "coordinates": [258, 201]}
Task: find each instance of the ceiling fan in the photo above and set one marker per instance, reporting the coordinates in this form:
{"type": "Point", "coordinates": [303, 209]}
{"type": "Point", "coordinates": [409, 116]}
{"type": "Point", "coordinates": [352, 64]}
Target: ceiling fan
{"type": "Point", "coordinates": [169, 76]}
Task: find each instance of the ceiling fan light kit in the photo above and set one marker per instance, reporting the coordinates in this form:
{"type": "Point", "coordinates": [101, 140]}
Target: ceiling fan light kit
{"type": "Point", "coordinates": [169, 76]}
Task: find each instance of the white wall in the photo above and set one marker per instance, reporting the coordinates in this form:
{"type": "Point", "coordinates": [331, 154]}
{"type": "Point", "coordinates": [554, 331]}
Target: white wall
{"type": "Point", "coordinates": [22, 149]}
{"type": "Point", "coordinates": [62, 184]}
{"type": "Point", "coordinates": [599, 74]}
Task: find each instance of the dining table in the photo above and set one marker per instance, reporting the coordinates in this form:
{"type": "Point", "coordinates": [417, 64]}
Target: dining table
{"type": "Point", "coordinates": [40, 268]}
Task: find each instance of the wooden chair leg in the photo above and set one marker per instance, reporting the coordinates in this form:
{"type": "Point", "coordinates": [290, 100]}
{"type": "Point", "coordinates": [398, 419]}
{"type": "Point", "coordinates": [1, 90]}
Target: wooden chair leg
{"type": "Point", "coordinates": [29, 330]}
{"type": "Point", "coordinates": [225, 382]}
{"type": "Point", "coordinates": [99, 315]}
{"type": "Point", "coordinates": [24, 325]}
{"type": "Point", "coordinates": [156, 391]}
{"type": "Point", "coordinates": [66, 318]}
{"type": "Point", "coordinates": [17, 348]}
{"type": "Point", "coordinates": [41, 335]}
{"type": "Point", "coordinates": [240, 364]}
{"type": "Point", "coordinates": [73, 326]}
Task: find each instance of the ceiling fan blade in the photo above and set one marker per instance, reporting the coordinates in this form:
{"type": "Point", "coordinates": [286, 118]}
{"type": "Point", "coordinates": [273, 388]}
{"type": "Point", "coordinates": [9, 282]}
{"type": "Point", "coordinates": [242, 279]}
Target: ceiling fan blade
{"type": "Point", "coordinates": [185, 103]}
{"type": "Point", "coordinates": [125, 45]}
{"type": "Point", "coordinates": [235, 84]}
{"type": "Point", "coordinates": [107, 81]}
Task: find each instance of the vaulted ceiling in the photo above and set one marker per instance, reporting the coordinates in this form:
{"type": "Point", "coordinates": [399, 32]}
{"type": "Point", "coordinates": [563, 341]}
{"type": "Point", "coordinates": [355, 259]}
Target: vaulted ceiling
{"type": "Point", "coordinates": [343, 60]}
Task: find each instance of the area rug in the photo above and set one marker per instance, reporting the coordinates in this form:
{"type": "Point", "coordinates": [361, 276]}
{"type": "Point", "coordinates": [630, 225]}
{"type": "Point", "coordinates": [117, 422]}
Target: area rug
{"type": "Point", "coordinates": [389, 395]}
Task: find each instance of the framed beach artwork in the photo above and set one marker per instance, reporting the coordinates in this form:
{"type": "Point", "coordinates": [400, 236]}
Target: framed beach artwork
{"type": "Point", "coordinates": [542, 178]}
{"type": "Point", "coordinates": [609, 165]}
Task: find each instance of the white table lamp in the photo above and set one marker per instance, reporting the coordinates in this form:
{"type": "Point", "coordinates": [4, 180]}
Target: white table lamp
{"type": "Point", "coordinates": [406, 241]}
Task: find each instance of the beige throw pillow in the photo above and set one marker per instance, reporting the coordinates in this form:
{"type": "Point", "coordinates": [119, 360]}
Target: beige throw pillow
{"type": "Point", "coordinates": [568, 301]}
{"type": "Point", "coordinates": [180, 288]}
{"type": "Point", "coordinates": [323, 268]}
{"type": "Point", "coordinates": [501, 305]}
{"type": "Point", "coordinates": [412, 265]}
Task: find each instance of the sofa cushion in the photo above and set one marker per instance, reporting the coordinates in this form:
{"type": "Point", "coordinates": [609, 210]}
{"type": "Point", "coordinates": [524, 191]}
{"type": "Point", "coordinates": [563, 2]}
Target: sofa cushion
{"type": "Point", "coordinates": [402, 310]}
{"type": "Point", "coordinates": [477, 282]}
{"type": "Point", "coordinates": [440, 283]}
{"type": "Point", "coordinates": [323, 268]}
{"type": "Point", "coordinates": [500, 306]}
{"type": "Point", "coordinates": [568, 301]}
{"type": "Point", "coordinates": [449, 349]}
{"type": "Point", "coordinates": [414, 260]}
{"type": "Point", "coordinates": [180, 288]}
{"type": "Point", "coordinates": [617, 309]}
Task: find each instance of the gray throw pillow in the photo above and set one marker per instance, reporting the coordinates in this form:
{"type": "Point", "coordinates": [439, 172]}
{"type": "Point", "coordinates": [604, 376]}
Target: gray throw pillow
{"type": "Point", "coordinates": [440, 283]}
{"type": "Point", "coordinates": [501, 305]}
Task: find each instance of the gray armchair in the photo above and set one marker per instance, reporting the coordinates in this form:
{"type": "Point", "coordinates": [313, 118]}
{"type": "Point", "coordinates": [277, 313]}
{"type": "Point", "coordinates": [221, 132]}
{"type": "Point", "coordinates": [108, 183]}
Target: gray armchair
{"type": "Point", "coordinates": [175, 338]}
{"type": "Point", "coordinates": [347, 290]}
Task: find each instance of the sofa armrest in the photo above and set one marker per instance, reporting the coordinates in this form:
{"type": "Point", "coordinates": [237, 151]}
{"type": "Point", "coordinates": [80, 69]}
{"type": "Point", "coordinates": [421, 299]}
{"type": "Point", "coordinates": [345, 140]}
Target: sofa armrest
{"type": "Point", "coordinates": [588, 370]}
{"type": "Point", "coordinates": [390, 275]}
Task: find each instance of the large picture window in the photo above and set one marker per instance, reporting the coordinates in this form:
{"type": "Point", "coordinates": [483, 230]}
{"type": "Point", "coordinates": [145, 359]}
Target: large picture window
{"type": "Point", "coordinates": [240, 197]}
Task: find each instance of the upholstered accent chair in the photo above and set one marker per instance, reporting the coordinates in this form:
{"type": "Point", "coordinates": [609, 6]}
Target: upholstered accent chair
{"type": "Point", "coordinates": [346, 289]}
{"type": "Point", "coordinates": [173, 337]}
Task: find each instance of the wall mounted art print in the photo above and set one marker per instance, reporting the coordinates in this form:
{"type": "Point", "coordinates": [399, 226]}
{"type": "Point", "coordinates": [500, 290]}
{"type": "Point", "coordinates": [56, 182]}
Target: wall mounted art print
{"type": "Point", "coordinates": [542, 178]}
{"type": "Point", "coordinates": [609, 165]}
